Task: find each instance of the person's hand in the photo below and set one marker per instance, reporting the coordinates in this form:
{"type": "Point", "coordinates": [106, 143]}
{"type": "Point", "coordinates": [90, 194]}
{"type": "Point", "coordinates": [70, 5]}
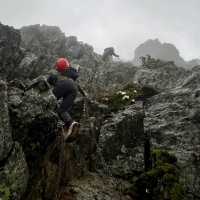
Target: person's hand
{"type": "Point", "coordinates": [77, 67]}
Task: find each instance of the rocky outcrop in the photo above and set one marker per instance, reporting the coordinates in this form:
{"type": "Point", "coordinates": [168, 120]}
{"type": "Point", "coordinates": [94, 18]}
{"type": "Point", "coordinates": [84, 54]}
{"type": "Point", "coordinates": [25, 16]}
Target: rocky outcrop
{"type": "Point", "coordinates": [121, 142]}
{"type": "Point", "coordinates": [158, 50]}
{"type": "Point", "coordinates": [14, 174]}
{"type": "Point", "coordinates": [94, 186]}
{"type": "Point", "coordinates": [13, 166]}
{"type": "Point", "coordinates": [194, 62]}
{"type": "Point", "coordinates": [6, 134]}
{"type": "Point", "coordinates": [35, 163]}
{"type": "Point", "coordinates": [162, 77]}
{"type": "Point", "coordinates": [10, 52]}
{"type": "Point", "coordinates": [172, 119]}
{"type": "Point", "coordinates": [50, 41]}
{"type": "Point", "coordinates": [51, 162]}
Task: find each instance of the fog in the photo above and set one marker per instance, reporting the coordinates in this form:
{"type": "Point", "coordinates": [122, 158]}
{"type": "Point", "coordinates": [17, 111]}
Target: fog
{"type": "Point", "coordinates": [123, 24]}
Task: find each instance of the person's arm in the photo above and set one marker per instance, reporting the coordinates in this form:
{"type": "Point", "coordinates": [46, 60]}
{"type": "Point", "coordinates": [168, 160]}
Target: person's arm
{"type": "Point", "coordinates": [114, 54]}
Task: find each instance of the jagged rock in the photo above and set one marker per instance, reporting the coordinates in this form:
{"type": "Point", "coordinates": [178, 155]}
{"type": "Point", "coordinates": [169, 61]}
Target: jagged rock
{"type": "Point", "coordinates": [43, 40]}
{"type": "Point", "coordinates": [162, 77]}
{"type": "Point", "coordinates": [96, 187]}
{"type": "Point", "coordinates": [34, 125]}
{"type": "Point", "coordinates": [5, 128]}
{"type": "Point", "coordinates": [158, 50]}
{"type": "Point", "coordinates": [194, 62]}
{"type": "Point", "coordinates": [50, 161]}
{"type": "Point", "coordinates": [172, 114]}
{"type": "Point", "coordinates": [192, 82]}
{"type": "Point", "coordinates": [172, 121]}
{"type": "Point", "coordinates": [51, 41]}
{"type": "Point", "coordinates": [32, 66]}
{"type": "Point", "coordinates": [10, 52]}
{"type": "Point", "coordinates": [121, 142]}
{"type": "Point", "coordinates": [14, 175]}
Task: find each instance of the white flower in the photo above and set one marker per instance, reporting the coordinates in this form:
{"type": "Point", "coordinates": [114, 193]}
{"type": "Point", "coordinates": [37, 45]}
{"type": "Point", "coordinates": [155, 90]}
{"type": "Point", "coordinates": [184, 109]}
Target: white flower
{"type": "Point", "coordinates": [125, 97]}
{"type": "Point", "coordinates": [121, 92]}
{"type": "Point", "coordinates": [135, 91]}
{"type": "Point", "coordinates": [133, 100]}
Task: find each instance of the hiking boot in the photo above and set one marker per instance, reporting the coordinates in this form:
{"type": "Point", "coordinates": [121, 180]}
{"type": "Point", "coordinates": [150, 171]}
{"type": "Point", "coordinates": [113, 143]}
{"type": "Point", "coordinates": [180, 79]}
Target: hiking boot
{"type": "Point", "coordinates": [72, 132]}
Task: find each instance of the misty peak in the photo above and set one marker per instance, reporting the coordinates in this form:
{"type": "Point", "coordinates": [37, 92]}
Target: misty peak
{"type": "Point", "coordinates": [158, 50]}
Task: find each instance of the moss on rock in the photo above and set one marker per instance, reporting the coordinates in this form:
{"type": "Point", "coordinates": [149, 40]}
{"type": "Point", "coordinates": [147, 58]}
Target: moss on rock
{"type": "Point", "coordinates": [162, 181]}
{"type": "Point", "coordinates": [4, 192]}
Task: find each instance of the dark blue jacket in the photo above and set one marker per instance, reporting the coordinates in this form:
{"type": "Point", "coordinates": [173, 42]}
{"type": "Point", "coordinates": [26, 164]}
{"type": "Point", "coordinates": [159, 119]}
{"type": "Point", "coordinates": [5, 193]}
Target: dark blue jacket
{"type": "Point", "coordinates": [71, 73]}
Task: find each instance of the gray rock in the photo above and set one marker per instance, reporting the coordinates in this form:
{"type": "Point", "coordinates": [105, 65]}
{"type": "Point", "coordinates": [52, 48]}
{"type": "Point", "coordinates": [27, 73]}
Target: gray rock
{"type": "Point", "coordinates": [162, 77]}
{"type": "Point", "coordinates": [97, 187]}
{"type": "Point", "coordinates": [10, 52]}
{"type": "Point", "coordinates": [14, 175]}
{"type": "Point", "coordinates": [173, 124]}
{"type": "Point", "coordinates": [158, 50]}
{"type": "Point", "coordinates": [5, 128]}
{"type": "Point", "coordinates": [121, 142]}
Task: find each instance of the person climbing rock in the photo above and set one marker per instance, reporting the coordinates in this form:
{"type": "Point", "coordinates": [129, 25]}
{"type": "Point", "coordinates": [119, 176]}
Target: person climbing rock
{"type": "Point", "coordinates": [108, 53]}
{"type": "Point", "coordinates": [66, 89]}
{"type": "Point", "coordinates": [143, 60]}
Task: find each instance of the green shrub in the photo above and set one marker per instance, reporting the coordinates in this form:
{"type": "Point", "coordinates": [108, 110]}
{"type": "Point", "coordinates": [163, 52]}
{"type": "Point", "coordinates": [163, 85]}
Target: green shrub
{"type": "Point", "coordinates": [4, 192]}
{"type": "Point", "coordinates": [161, 180]}
{"type": "Point", "coordinates": [120, 98]}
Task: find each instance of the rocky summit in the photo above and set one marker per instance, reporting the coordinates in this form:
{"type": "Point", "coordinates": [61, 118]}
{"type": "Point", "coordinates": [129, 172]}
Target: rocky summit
{"type": "Point", "coordinates": [139, 134]}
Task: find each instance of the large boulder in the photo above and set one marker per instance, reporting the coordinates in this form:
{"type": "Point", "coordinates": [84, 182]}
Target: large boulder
{"type": "Point", "coordinates": [161, 77]}
{"type": "Point", "coordinates": [158, 50]}
{"type": "Point", "coordinates": [13, 166]}
{"type": "Point", "coordinates": [172, 121]}
{"type": "Point", "coordinates": [51, 41]}
{"type": "Point", "coordinates": [10, 52]}
{"type": "Point", "coordinates": [121, 143]}
{"type": "Point", "coordinates": [93, 186]}
{"type": "Point", "coordinates": [5, 128]}
{"type": "Point", "coordinates": [14, 174]}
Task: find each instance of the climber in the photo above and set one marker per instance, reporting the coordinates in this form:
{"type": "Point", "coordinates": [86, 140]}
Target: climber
{"type": "Point", "coordinates": [143, 60]}
{"type": "Point", "coordinates": [65, 88]}
{"type": "Point", "coordinates": [108, 53]}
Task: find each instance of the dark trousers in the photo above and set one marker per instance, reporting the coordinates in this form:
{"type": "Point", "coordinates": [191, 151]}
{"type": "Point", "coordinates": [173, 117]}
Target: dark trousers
{"type": "Point", "coordinates": [65, 107]}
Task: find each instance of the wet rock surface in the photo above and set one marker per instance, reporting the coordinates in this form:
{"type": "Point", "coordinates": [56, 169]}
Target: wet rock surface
{"type": "Point", "coordinates": [14, 174]}
{"type": "Point", "coordinates": [6, 138]}
{"type": "Point", "coordinates": [32, 149]}
{"type": "Point", "coordinates": [93, 186]}
{"type": "Point", "coordinates": [121, 142]}
{"type": "Point", "coordinates": [10, 52]}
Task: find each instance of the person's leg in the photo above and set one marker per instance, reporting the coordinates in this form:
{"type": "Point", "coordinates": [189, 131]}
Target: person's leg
{"type": "Point", "coordinates": [64, 109]}
{"type": "Point", "coordinates": [71, 127]}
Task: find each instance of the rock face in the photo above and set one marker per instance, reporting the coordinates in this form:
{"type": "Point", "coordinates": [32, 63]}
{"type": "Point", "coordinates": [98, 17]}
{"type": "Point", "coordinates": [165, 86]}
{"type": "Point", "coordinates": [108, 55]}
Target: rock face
{"type": "Point", "coordinates": [194, 62]}
{"type": "Point", "coordinates": [172, 116]}
{"type": "Point", "coordinates": [35, 163]}
{"type": "Point", "coordinates": [6, 135]}
{"type": "Point", "coordinates": [13, 167]}
{"type": "Point", "coordinates": [121, 142]}
{"type": "Point", "coordinates": [50, 41]}
{"type": "Point", "coordinates": [93, 186]}
{"type": "Point", "coordinates": [14, 174]}
{"type": "Point", "coordinates": [10, 52]}
{"type": "Point", "coordinates": [156, 49]}
{"type": "Point", "coordinates": [162, 77]}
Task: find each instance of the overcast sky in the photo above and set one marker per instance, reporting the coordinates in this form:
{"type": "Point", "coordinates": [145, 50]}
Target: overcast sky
{"type": "Point", "coordinates": [123, 24]}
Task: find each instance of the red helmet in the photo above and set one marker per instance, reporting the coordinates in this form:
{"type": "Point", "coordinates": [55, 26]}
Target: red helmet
{"type": "Point", "coordinates": [62, 64]}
